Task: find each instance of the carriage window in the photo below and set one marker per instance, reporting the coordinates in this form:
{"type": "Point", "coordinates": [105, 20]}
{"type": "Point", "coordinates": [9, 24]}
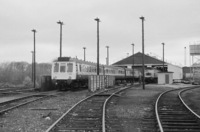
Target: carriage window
{"type": "Point", "coordinates": [62, 67]}
{"type": "Point", "coordinates": [70, 67]}
{"type": "Point", "coordinates": [56, 66]}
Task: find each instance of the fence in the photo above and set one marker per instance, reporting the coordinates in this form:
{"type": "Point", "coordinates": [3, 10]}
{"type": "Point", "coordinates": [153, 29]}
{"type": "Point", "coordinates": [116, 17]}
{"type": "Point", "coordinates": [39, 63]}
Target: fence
{"type": "Point", "coordinates": [46, 83]}
{"type": "Point", "coordinates": [96, 82]}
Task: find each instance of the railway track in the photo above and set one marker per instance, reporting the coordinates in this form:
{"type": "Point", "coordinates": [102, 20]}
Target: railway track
{"type": "Point", "coordinates": [88, 115]}
{"type": "Point", "coordinates": [15, 103]}
{"type": "Point", "coordinates": [173, 115]}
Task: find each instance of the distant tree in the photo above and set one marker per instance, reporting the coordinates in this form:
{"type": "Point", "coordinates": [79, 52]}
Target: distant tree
{"type": "Point", "coordinates": [21, 72]}
{"type": "Point", "coordinates": [5, 72]}
{"type": "Point", "coordinates": [27, 82]}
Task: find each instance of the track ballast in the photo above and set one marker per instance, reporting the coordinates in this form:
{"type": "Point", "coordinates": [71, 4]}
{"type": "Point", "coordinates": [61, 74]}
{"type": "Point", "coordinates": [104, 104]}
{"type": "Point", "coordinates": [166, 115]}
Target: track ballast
{"type": "Point", "coordinates": [173, 116]}
{"type": "Point", "coordinates": [88, 115]}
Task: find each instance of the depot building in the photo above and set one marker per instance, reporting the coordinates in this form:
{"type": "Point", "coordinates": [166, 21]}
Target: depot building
{"type": "Point", "coordinates": [153, 67]}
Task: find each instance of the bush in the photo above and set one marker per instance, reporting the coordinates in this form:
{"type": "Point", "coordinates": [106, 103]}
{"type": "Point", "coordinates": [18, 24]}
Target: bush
{"type": "Point", "coordinates": [27, 82]}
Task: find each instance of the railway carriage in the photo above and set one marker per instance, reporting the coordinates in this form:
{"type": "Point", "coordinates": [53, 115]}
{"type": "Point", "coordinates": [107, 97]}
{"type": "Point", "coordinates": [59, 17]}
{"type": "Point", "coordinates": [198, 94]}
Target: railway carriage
{"type": "Point", "coordinates": [70, 73]}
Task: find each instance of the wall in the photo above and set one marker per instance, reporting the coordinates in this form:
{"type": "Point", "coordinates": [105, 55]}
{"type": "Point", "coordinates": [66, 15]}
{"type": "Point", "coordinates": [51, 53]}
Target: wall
{"type": "Point", "coordinates": [177, 71]}
{"type": "Point", "coordinates": [162, 76]}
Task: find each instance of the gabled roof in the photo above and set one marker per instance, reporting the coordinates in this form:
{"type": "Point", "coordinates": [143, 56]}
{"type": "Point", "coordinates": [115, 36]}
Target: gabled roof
{"type": "Point", "coordinates": [138, 60]}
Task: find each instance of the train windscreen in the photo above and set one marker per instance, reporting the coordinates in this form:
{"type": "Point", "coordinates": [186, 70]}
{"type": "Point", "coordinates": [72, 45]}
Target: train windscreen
{"type": "Point", "coordinates": [62, 67]}
{"type": "Point", "coordinates": [69, 67]}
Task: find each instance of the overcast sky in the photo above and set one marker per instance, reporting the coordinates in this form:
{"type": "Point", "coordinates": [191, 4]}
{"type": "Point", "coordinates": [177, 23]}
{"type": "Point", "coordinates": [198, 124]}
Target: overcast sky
{"type": "Point", "coordinates": [174, 22]}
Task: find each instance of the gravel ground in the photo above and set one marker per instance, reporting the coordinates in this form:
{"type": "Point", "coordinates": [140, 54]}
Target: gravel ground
{"type": "Point", "coordinates": [38, 116]}
{"type": "Point", "coordinates": [136, 104]}
{"type": "Point", "coordinates": [131, 108]}
{"type": "Point", "coordinates": [192, 98]}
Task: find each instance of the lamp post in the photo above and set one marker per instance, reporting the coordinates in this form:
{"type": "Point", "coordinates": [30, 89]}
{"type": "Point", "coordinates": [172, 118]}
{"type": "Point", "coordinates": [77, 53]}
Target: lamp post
{"type": "Point", "coordinates": [163, 57]}
{"type": "Point", "coordinates": [133, 61]}
{"type": "Point", "coordinates": [132, 48]}
{"type": "Point", "coordinates": [84, 52]}
{"type": "Point", "coordinates": [61, 23]}
{"type": "Point", "coordinates": [143, 80]}
{"type": "Point", "coordinates": [107, 60]}
{"type": "Point", "coordinates": [98, 20]}
{"type": "Point", "coordinates": [32, 75]}
{"type": "Point", "coordinates": [34, 58]}
{"type": "Point", "coordinates": [185, 56]}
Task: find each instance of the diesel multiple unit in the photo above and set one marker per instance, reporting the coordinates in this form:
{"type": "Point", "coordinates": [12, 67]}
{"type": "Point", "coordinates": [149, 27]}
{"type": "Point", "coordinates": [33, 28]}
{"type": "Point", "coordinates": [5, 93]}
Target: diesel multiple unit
{"type": "Point", "coordinates": [69, 73]}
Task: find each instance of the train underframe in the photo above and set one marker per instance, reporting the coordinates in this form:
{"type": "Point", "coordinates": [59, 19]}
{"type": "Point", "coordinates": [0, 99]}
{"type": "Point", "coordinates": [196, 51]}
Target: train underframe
{"type": "Point", "coordinates": [82, 83]}
{"type": "Point", "coordinates": [71, 85]}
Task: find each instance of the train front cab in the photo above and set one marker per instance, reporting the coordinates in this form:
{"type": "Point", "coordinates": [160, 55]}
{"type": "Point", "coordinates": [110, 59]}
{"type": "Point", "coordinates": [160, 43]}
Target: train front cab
{"type": "Point", "coordinates": [63, 74]}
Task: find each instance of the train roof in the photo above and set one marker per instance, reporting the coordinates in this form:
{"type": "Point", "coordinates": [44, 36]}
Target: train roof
{"type": "Point", "coordinates": [65, 59]}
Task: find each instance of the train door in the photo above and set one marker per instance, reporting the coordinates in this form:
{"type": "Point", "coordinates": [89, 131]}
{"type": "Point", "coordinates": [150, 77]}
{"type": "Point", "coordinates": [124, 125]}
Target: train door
{"type": "Point", "coordinates": [54, 70]}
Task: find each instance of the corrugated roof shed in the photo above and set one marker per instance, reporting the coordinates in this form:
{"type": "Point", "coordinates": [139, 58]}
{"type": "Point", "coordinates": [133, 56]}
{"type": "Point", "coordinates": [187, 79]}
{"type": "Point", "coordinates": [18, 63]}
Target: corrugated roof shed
{"type": "Point", "coordinates": [138, 60]}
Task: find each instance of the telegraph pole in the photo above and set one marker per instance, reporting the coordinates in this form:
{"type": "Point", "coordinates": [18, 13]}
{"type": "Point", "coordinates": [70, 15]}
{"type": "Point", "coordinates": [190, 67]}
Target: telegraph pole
{"type": "Point", "coordinates": [107, 62]}
{"type": "Point", "coordinates": [98, 20]}
{"type": "Point", "coordinates": [133, 62]}
{"type": "Point", "coordinates": [84, 52]}
{"type": "Point", "coordinates": [143, 79]}
{"type": "Point", "coordinates": [34, 77]}
{"type": "Point", "coordinates": [185, 56]}
{"type": "Point", "coordinates": [61, 23]}
{"type": "Point", "coordinates": [163, 57]}
{"type": "Point", "coordinates": [32, 66]}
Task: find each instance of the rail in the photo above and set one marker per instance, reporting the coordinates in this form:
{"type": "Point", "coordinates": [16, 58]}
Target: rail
{"type": "Point", "coordinates": [104, 108]}
{"type": "Point", "coordinates": [99, 94]}
{"type": "Point", "coordinates": [59, 119]}
{"type": "Point", "coordinates": [179, 95]}
{"type": "Point", "coordinates": [156, 110]}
